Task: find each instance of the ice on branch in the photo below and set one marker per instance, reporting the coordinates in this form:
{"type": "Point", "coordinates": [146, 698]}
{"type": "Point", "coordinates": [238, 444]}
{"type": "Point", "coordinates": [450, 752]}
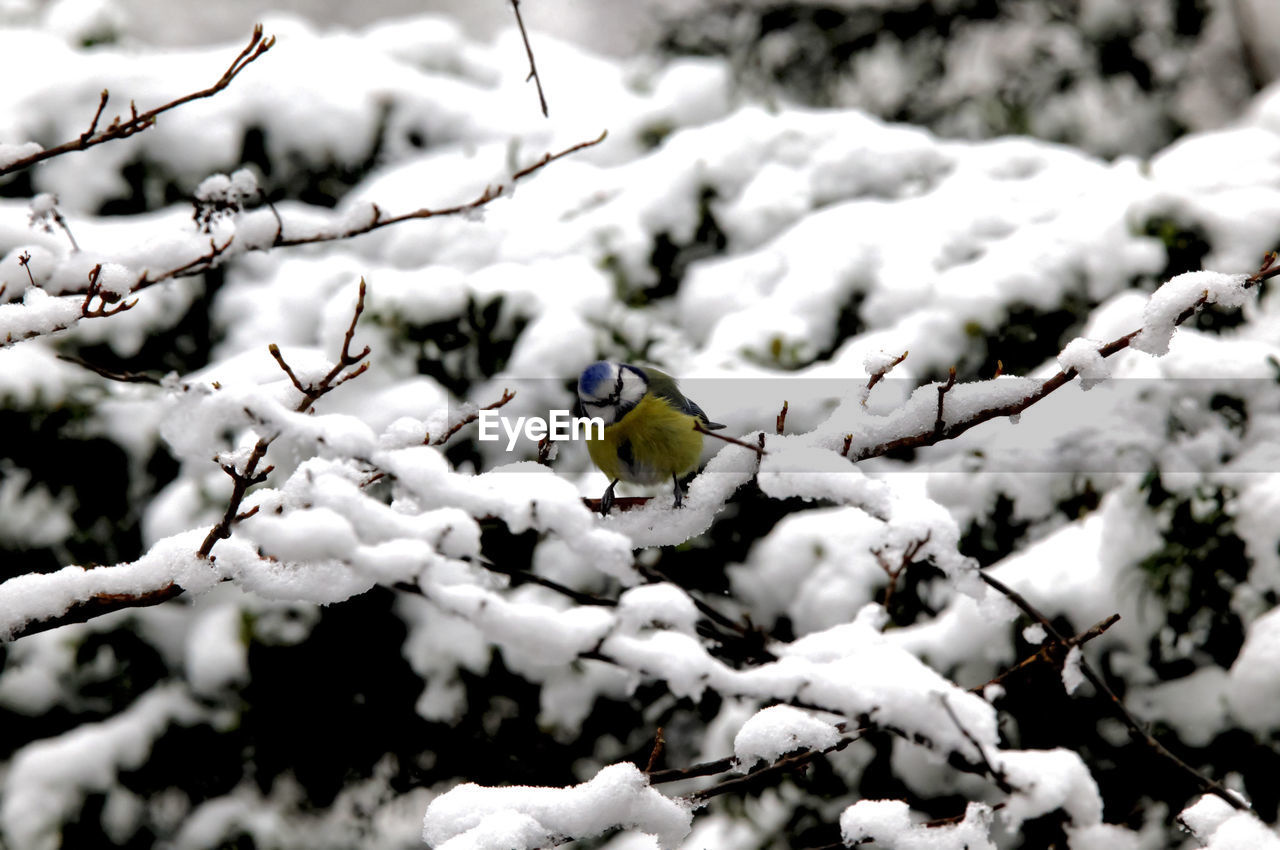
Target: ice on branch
{"type": "Point", "coordinates": [471, 817]}
{"type": "Point", "coordinates": [1182, 294]}
{"type": "Point", "coordinates": [780, 729]}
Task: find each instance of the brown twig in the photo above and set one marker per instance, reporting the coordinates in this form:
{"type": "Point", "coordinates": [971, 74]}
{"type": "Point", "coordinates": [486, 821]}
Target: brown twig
{"type": "Point", "coordinates": [848, 441]}
{"type": "Point", "coordinates": [139, 121]}
{"type": "Point", "coordinates": [1051, 651]}
{"type": "Point", "coordinates": [122, 377]}
{"type": "Point", "coordinates": [997, 776]}
{"type": "Point", "coordinates": [243, 479]}
{"type": "Point", "coordinates": [759, 450]}
{"type": "Point", "coordinates": [1135, 728]}
{"type": "Point", "coordinates": [776, 769]}
{"type": "Point", "coordinates": [97, 606]}
{"type": "Point", "coordinates": [878, 376]}
{"type": "Point", "coordinates": [943, 389]}
{"type": "Point", "coordinates": [782, 420]}
{"type": "Point", "coordinates": [507, 395]}
{"type": "Point", "coordinates": [489, 195]}
{"type": "Point", "coordinates": [210, 258]}
{"type": "Point", "coordinates": [533, 68]}
{"type": "Point", "coordinates": [908, 557]}
{"type": "Point", "coordinates": [656, 753]}
{"type": "Point", "coordinates": [24, 260]}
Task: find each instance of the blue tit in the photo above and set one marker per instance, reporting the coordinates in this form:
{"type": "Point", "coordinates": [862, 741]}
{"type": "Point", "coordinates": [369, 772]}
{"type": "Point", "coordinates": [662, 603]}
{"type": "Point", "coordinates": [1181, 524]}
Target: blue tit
{"type": "Point", "coordinates": [649, 433]}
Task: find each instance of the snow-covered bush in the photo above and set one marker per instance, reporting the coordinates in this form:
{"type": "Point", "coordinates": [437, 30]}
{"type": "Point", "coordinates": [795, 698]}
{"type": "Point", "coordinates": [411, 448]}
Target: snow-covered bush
{"type": "Point", "coordinates": [1109, 76]}
{"type": "Point", "coordinates": [990, 558]}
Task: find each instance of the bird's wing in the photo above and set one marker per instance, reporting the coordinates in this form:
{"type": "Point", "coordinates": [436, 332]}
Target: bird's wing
{"type": "Point", "coordinates": [664, 386]}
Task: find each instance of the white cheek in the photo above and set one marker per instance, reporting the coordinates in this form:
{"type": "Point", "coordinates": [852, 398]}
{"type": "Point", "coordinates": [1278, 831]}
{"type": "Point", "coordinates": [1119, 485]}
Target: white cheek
{"type": "Point", "coordinates": [607, 412]}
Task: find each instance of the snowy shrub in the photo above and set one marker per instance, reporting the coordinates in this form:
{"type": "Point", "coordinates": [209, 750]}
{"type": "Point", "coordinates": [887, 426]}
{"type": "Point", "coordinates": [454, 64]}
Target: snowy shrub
{"type": "Point", "coordinates": [988, 559]}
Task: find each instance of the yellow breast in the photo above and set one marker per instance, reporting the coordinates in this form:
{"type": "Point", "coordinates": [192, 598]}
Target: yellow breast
{"type": "Point", "coordinates": [653, 442]}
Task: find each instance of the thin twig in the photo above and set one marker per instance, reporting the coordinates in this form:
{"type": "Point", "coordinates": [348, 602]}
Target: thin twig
{"type": "Point", "coordinates": [782, 765]}
{"type": "Point", "coordinates": [782, 419]}
{"type": "Point", "coordinates": [24, 260]}
{"type": "Point", "coordinates": [243, 479]}
{"type": "Point", "coordinates": [656, 753]}
{"type": "Point", "coordinates": [507, 395]}
{"type": "Point", "coordinates": [488, 196]}
{"type": "Point", "coordinates": [943, 389]}
{"type": "Point", "coordinates": [1205, 782]}
{"type": "Point", "coordinates": [1270, 268]}
{"type": "Point", "coordinates": [908, 557]}
{"type": "Point", "coordinates": [533, 68]}
{"type": "Point", "coordinates": [997, 776]}
{"type": "Point", "coordinates": [759, 450]}
{"type": "Point", "coordinates": [122, 377]}
{"type": "Point", "coordinates": [210, 258]}
{"type": "Point", "coordinates": [1051, 651]}
{"type": "Point", "coordinates": [139, 121]}
{"type": "Point", "coordinates": [878, 376]}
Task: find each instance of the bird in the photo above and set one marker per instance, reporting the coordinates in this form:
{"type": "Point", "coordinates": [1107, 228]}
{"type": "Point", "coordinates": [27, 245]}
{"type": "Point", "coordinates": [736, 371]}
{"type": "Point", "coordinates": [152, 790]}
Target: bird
{"type": "Point", "coordinates": [650, 429]}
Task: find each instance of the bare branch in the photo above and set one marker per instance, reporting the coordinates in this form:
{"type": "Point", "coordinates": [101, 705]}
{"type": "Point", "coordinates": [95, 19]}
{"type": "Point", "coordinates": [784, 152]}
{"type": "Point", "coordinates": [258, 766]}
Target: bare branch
{"type": "Point", "coordinates": [997, 776]}
{"type": "Point", "coordinates": [782, 419]}
{"type": "Point", "coordinates": [658, 744]}
{"type": "Point", "coordinates": [533, 68]}
{"type": "Point", "coordinates": [1052, 652]}
{"type": "Point", "coordinates": [140, 121]}
{"type": "Point", "coordinates": [507, 395]}
{"type": "Point", "coordinates": [97, 606]}
{"type": "Point", "coordinates": [24, 260]}
{"type": "Point", "coordinates": [759, 449]}
{"type": "Point", "coordinates": [488, 196]}
{"type": "Point", "coordinates": [938, 425]}
{"type": "Point", "coordinates": [1135, 728]}
{"type": "Point", "coordinates": [122, 377]}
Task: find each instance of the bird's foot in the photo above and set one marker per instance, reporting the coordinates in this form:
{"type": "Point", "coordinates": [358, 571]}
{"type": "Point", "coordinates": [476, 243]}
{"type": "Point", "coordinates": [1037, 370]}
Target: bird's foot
{"type": "Point", "coordinates": [679, 492]}
{"type": "Point", "coordinates": [606, 501]}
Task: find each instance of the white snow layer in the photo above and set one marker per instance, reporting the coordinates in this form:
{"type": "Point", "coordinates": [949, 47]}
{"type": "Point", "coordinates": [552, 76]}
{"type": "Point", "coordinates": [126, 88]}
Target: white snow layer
{"type": "Point", "coordinates": [471, 817]}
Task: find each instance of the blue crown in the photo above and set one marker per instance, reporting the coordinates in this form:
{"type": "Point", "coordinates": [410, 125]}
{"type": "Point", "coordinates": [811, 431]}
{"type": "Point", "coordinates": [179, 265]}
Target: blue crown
{"type": "Point", "coordinates": [594, 377]}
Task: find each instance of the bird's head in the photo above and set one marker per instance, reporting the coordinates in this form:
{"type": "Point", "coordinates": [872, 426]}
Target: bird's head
{"type": "Point", "coordinates": [609, 390]}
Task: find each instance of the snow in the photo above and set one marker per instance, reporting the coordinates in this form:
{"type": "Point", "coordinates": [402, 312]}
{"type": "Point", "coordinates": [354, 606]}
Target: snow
{"type": "Point", "coordinates": [778, 730]}
{"type": "Point", "coordinates": [48, 780]}
{"type": "Point", "coordinates": [37, 596]}
{"type": "Point", "coordinates": [522, 818]}
{"type": "Point", "coordinates": [812, 248]}
{"type": "Point", "coordinates": [1253, 689]}
{"type": "Point", "coordinates": [1072, 674]}
{"type": "Point", "coordinates": [10, 154]}
{"type": "Point", "coordinates": [1217, 826]}
{"type": "Point", "coordinates": [1180, 294]}
{"type": "Point", "coordinates": [1082, 355]}
{"type": "Point", "coordinates": [1045, 780]}
{"type": "Point", "coordinates": [888, 823]}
